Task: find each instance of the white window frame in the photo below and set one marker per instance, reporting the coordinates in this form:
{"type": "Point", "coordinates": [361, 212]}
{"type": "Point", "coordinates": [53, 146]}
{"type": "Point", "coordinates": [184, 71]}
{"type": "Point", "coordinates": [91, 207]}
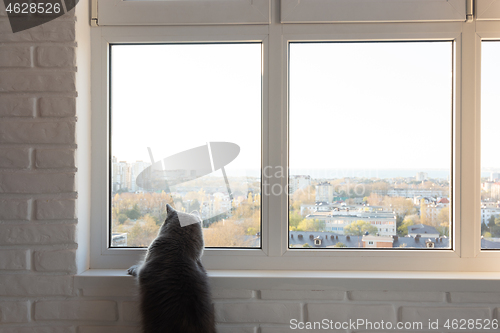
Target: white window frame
{"type": "Point", "coordinates": [465, 254]}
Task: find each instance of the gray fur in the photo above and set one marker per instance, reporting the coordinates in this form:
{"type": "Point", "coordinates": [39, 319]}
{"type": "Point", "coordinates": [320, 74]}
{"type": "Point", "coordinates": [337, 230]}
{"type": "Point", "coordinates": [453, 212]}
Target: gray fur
{"type": "Point", "coordinates": [174, 289]}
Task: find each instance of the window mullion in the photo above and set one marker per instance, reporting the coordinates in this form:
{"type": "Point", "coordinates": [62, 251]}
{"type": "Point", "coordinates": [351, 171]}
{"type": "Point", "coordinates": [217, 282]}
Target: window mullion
{"type": "Point", "coordinates": [275, 175]}
{"type": "Point", "coordinates": [467, 187]}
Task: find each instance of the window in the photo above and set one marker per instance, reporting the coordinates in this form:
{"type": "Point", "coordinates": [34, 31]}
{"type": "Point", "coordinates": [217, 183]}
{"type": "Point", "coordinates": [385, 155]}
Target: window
{"type": "Point", "coordinates": [421, 71]}
{"type": "Point", "coordinates": [177, 137]}
{"type": "Point", "coordinates": [490, 163]}
{"type": "Point", "coordinates": [351, 108]}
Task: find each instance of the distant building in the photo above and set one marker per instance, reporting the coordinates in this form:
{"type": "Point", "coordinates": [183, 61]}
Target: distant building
{"type": "Point", "coordinates": [488, 212]}
{"type": "Point", "coordinates": [324, 192]}
{"type": "Point", "coordinates": [495, 191]}
{"type": "Point", "coordinates": [119, 239]}
{"type": "Point", "coordinates": [135, 169]}
{"type": "Point", "coordinates": [418, 200]}
{"type": "Point", "coordinates": [121, 175]}
{"type": "Point", "coordinates": [422, 230]}
{"type": "Point", "coordinates": [336, 221]}
{"type": "Point", "coordinates": [486, 186]}
{"type": "Point", "coordinates": [377, 241]}
{"type": "Point", "coordinates": [494, 177]}
{"type": "Point", "coordinates": [318, 239]}
{"type": "Point", "coordinates": [298, 182]}
{"type": "Point", "coordinates": [421, 176]}
{"type": "Point", "coordinates": [124, 174]}
{"type": "Point", "coordinates": [411, 193]}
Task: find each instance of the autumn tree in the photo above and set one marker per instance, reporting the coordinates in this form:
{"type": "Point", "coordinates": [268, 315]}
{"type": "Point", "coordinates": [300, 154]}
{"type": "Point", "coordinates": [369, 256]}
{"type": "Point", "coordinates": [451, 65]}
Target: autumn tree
{"type": "Point", "coordinates": [374, 199]}
{"type": "Point", "coordinates": [359, 228]}
{"type": "Point", "coordinates": [423, 212]}
{"type": "Point", "coordinates": [311, 225]}
{"type": "Point", "coordinates": [306, 195]}
{"type": "Point", "coordinates": [225, 233]}
{"type": "Point", "coordinates": [143, 232]}
{"type": "Point", "coordinates": [294, 219]}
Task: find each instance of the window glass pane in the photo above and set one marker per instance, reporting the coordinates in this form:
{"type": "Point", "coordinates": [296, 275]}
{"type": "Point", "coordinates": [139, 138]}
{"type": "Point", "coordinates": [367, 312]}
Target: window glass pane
{"type": "Point", "coordinates": [186, 130]}
{"type": "Point", "coordinates": [370, 144]}
{"type": "Point", "coordinates": [490, 161]}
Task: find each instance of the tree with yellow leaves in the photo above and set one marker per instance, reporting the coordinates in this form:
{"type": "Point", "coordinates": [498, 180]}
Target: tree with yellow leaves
{"type": "Point", "coordinates": [143, 232]}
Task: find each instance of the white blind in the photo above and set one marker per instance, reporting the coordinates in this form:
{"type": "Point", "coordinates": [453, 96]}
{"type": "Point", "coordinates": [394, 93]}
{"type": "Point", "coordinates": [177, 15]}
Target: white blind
{"type": "Point", "coordinates": [488, 9]}
{"type": "Point", "coordinates": [182, 12]}
{"type": "Point", "coordinates": [342, 11]}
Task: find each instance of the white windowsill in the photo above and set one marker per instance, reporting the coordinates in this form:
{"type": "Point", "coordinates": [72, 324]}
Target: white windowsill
{"type": "Point", "coordinates": [260, 279]}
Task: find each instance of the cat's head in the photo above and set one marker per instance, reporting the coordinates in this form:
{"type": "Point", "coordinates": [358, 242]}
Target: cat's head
{"type": "Point", "coordinates": [186, 228]}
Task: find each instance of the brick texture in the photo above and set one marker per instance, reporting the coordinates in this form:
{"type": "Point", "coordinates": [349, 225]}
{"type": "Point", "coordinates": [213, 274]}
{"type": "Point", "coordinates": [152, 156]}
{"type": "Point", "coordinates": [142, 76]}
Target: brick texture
{"type": "Point", "coordinates": [76, 310]}
{"type": "Point", "coordinates": [53, 31]}
{"type": "Point", "coordinates": [17, 158]}
{"type": "Point", "coordinates": [62, 260]}
{"type": "Point", "coordinates": [13, 209]}
{"type": "Point", "coordinates": [15, 234]}
{"type": "Point", "coordinates": [15, 56]}
{"type": "Point", "coordinates": [302, 294]}
{"type": "Point", "coordinates": [13, 259]}
{"type": "Point", "coordinates": [258, 312]}
{"type": "Point", "coordinates": [55, 56]}
{"type": "Point", "coordinates": [14, 312]}
{"type": "Point", "coordinates": [13, 106]}
{"type": "Point", "coordinates": [36, 182]}
{"type": "Point", "coordinates": [343, 312]}
{"type": "Point", "coordinates": [57, 107]}
{"type": "Point", "coordinates": [55, 158]}
{"type": "Point", "coordinates": [37, 132]}
{"type": "Point", "coordinates": [56, 209]}
{"type": "Point", "coordinates": [11, 81]}
{"type": "Point", "coordinates": [35, 285]}
{"type": "Point", "coordinates": [442, 314]}
{"type": "Point", "coordinates": [231, 293]}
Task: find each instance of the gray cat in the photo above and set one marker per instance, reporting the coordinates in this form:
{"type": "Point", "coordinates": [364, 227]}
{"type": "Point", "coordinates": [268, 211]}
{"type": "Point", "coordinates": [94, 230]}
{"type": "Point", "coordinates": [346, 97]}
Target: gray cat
{"type": "Point", "coordinates": [174, 289]}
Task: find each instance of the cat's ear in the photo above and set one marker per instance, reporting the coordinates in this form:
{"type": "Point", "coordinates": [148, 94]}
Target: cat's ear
{"type": "Point", "coordinates": [170, 210]}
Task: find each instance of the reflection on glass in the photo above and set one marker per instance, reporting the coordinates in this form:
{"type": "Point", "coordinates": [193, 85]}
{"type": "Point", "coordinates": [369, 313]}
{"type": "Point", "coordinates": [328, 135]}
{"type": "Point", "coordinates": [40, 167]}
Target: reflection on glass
{"type": "Point", "coordinates": [186, 130]}
{"type": "Point", "coordinates": [490, 160]}
{"type": "Point", "coordinates": [370, 145]}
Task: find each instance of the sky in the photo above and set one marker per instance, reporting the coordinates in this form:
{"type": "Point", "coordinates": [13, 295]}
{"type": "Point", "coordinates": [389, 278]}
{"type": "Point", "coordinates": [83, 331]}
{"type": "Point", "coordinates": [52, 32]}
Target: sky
{"type": "Point", "coordinates": [490, 105]}
{"type": "Point", "coordinates": [352, 105]}
{"type": "Point", "coordinates": [176, 97]}
{"type": "Point", "coordinates": [371, 105]}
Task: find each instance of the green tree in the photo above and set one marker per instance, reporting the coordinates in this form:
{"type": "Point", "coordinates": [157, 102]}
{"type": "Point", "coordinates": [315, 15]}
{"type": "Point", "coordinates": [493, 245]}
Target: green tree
{"type": "Point", "coordinates": [340, 244]}
{"type": "Point", "coordinates": [484, 228]}
{"type": "Point", "coordinates": [403, 229]}
{"type": "Point", "coordinates": [195, 205]}
{"type": "Point", "coordinates": [359, 228]}
{"type": "Point", "coordinates": [133, 213]}
{"type": "Point", "coordinates": [306, 245]}
{"type": "Point", "coordinates": [122, 218]}
{"type": "Point", "coordinates": [491, 221]}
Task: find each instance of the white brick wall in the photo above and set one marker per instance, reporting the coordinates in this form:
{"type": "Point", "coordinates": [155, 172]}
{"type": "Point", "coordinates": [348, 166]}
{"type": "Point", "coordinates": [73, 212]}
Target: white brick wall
{"type": "Point", "coordinates": [38, 219]}
{"type": "Point", "coordinates": [37, 181]}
